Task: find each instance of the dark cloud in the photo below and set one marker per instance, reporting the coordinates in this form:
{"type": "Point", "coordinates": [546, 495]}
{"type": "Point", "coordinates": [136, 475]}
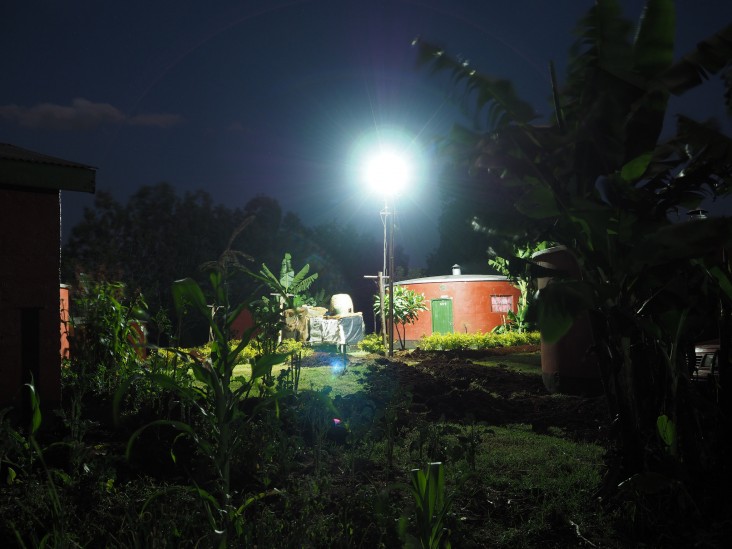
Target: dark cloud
{"type": "Point", "coordinates": [155, 120]}
{"type": "Point", "coordinates": [82, 114]}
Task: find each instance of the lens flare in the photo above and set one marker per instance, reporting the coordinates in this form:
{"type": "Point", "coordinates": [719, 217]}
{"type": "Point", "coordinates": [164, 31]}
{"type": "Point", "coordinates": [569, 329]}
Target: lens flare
{"type": "Point", "coordinates": [337, 366]}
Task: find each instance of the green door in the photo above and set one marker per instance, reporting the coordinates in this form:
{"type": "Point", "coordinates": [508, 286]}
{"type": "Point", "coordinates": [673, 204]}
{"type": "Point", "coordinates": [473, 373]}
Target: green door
{"type": "Point", "coordinates": [441, 316]}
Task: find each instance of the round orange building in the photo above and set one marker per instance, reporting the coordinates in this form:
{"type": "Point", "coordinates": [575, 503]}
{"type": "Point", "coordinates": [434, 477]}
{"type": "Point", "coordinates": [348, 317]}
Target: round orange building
{"type": "Point", "coordinates": [466, 303]}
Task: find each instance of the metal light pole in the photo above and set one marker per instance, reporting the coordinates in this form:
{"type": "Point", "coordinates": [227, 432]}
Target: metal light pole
{"type": "Point", "coordinates": [383, 275]}
{"type": "Point", "coordinates": [391, 279]}
{"type": "Point", "coordinates": [388, 172]}
{"type": "Point", "coordinates": [387, 219]}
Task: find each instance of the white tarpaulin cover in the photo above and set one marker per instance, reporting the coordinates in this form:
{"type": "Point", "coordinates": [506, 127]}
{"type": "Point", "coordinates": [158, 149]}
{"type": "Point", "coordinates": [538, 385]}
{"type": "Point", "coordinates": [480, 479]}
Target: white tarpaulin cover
{"type": "Point", "coordinates": [352, 328]}
{"type": "Point", "coordinates": [337, 330]}
{"type": "Point", "coordinates": [323, 330]}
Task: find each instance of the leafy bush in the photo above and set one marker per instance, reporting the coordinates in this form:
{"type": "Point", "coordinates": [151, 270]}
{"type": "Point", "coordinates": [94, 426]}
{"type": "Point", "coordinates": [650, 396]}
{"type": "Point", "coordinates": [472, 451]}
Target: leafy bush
{"type": "Point", "coordinates": [407, 306]}
{"type": "Point", "coordinates": [477, 341]}
{"type": "Point", "coordinates": [290, 346]}
{"type": "Point", "coordinates": [372, 343]}
{"type": "Point", "coordinates": [251, 351]}
{"type": "Point", "coordinates": [107, 347]}
{"type": "Point", "coordinates": [203, 352]}
{"type": "Point", "coordinates": [106, 336]}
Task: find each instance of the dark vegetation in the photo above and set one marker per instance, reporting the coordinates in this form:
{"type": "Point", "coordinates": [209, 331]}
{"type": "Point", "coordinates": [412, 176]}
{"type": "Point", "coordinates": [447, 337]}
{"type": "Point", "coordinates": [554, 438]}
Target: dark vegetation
{"type": "Point", "coordinates": [607, 177]}
{"type": "Point", "coordinates": [199, 453]}
{"type": "Point", "coordinates": [160, 236]}
{"type": "Point", "coordinates": [521, 468]}
{"type": "Point", "coordinates": [195, 448]}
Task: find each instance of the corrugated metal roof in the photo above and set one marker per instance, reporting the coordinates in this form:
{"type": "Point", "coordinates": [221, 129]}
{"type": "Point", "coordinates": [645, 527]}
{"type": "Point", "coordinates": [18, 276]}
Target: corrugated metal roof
{"type": "Point", "coordinates": [454, 278]}
{"type": "Point", "coordinates": [25, 169]}
{"type": "Point", "coordinates": [13, 152]}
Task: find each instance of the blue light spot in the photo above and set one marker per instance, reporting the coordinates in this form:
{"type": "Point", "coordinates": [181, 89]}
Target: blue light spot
{"type": "Point", "coordinates": [337, 366]}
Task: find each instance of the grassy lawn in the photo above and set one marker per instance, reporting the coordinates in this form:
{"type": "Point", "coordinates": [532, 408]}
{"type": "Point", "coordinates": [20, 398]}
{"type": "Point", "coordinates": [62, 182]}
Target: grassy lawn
{"type": "Point", "coordinates": [525, 363]}
{"type": "Point", "coordinates": [346, 379]}
{"type": "Point", "coordinates": [343, 379]}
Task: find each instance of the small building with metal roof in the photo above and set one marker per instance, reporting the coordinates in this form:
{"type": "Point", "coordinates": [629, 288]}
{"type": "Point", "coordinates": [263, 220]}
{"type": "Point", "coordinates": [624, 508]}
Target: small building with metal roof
{"type": "Point", "coordinates": [30, 259]}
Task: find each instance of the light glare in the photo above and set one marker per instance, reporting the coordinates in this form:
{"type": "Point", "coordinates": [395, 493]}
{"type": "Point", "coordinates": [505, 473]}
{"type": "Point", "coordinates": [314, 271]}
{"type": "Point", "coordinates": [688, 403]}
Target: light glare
{"type": "Point", "coordinates": [337, 366]}
{"type": "Point", "coordinates": [387, 173]}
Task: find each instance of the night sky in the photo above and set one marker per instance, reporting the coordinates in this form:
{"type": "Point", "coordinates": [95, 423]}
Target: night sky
{"type": "Point", "coordinates": [275, 97]}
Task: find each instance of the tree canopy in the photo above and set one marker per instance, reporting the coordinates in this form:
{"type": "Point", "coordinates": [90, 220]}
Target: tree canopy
{"type": "Point", "coordinates": [160, 236]}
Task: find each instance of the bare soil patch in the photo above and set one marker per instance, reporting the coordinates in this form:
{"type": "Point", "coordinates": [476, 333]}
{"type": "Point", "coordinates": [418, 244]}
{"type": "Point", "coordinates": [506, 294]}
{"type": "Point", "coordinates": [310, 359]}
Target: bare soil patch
{"type": "Point", "coordinates": [452, 386]}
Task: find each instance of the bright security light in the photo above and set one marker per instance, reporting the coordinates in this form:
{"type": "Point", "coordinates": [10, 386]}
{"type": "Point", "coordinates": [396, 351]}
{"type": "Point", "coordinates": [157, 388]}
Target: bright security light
{"type": "Point", "coordinates": [387, 173]}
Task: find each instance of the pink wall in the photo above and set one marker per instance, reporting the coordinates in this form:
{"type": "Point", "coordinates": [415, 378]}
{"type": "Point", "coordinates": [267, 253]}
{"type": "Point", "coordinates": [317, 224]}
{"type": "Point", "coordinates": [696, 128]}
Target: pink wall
{"type": "Point", "coordinates": [243, 322]}
{"type": "Point", "coordinates": [65, 326]}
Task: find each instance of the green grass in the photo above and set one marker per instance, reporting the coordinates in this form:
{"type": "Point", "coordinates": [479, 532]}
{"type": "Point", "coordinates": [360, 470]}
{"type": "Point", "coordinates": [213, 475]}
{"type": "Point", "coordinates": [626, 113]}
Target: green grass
{"type": "Point", "coordinates": [527, 484]}
{"type": "Point", "coordinates": [525, 363]}
{"type": "Point", "coordinates": [343, 381]}
{"type": "Point", "coordinates": [515, 459]}
{"type": "Point", "coordinates": [348, 380]}
{"type": "Point", "coordinates": [546, 480]}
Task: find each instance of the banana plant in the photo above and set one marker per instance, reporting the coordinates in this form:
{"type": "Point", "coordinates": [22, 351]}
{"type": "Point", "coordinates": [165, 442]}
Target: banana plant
{"type": "Point", "coordinates": [599, 180]}
{"type": "Point", "coordinates": [290, 286]}
{"type": "Point", "coordinates": [287, 291]}
{"type": "Point", "coordinates": [519, 269]}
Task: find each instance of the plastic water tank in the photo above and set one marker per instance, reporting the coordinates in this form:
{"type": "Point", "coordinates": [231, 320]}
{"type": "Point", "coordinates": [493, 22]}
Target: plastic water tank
{"type": "Point", "coordinates": [341, 304]}
{"type": "Point", "coordinates": [570, 364]}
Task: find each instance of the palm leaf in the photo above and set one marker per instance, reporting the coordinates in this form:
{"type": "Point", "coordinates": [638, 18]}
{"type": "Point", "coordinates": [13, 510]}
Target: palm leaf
{"type": "Point", "coordinates": [710, 56]}
{"type": "Point", "coordinates": [705, 154]}
{"type": "Point", "coordinates": [287, 273]}
{"type": "Point", "coordinates": [301, 282]}
{"type": "Point", "coordinates": [653, 49]}
{"type": "Point", "coordinates": [497, 95]}
{"type": "Point", "coordinates": [603, 40]}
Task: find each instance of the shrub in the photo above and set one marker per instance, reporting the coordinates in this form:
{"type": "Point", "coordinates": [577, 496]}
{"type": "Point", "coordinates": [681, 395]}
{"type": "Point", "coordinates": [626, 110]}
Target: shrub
{"type": "Point", "coordinates": [105, 335]}
{"type": "Point", "coordinates": [251, 351]}
{"type": "Point", "coordinates": [407, 306]}
{"type": "Point", "coordinates": [203, 352]}
{"type": "Point", "coordinates": [477, 341]}
{"type": "Point", "coordinates": [290, 346]}
{"type": "Point", "coordinates": [372, 343]}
